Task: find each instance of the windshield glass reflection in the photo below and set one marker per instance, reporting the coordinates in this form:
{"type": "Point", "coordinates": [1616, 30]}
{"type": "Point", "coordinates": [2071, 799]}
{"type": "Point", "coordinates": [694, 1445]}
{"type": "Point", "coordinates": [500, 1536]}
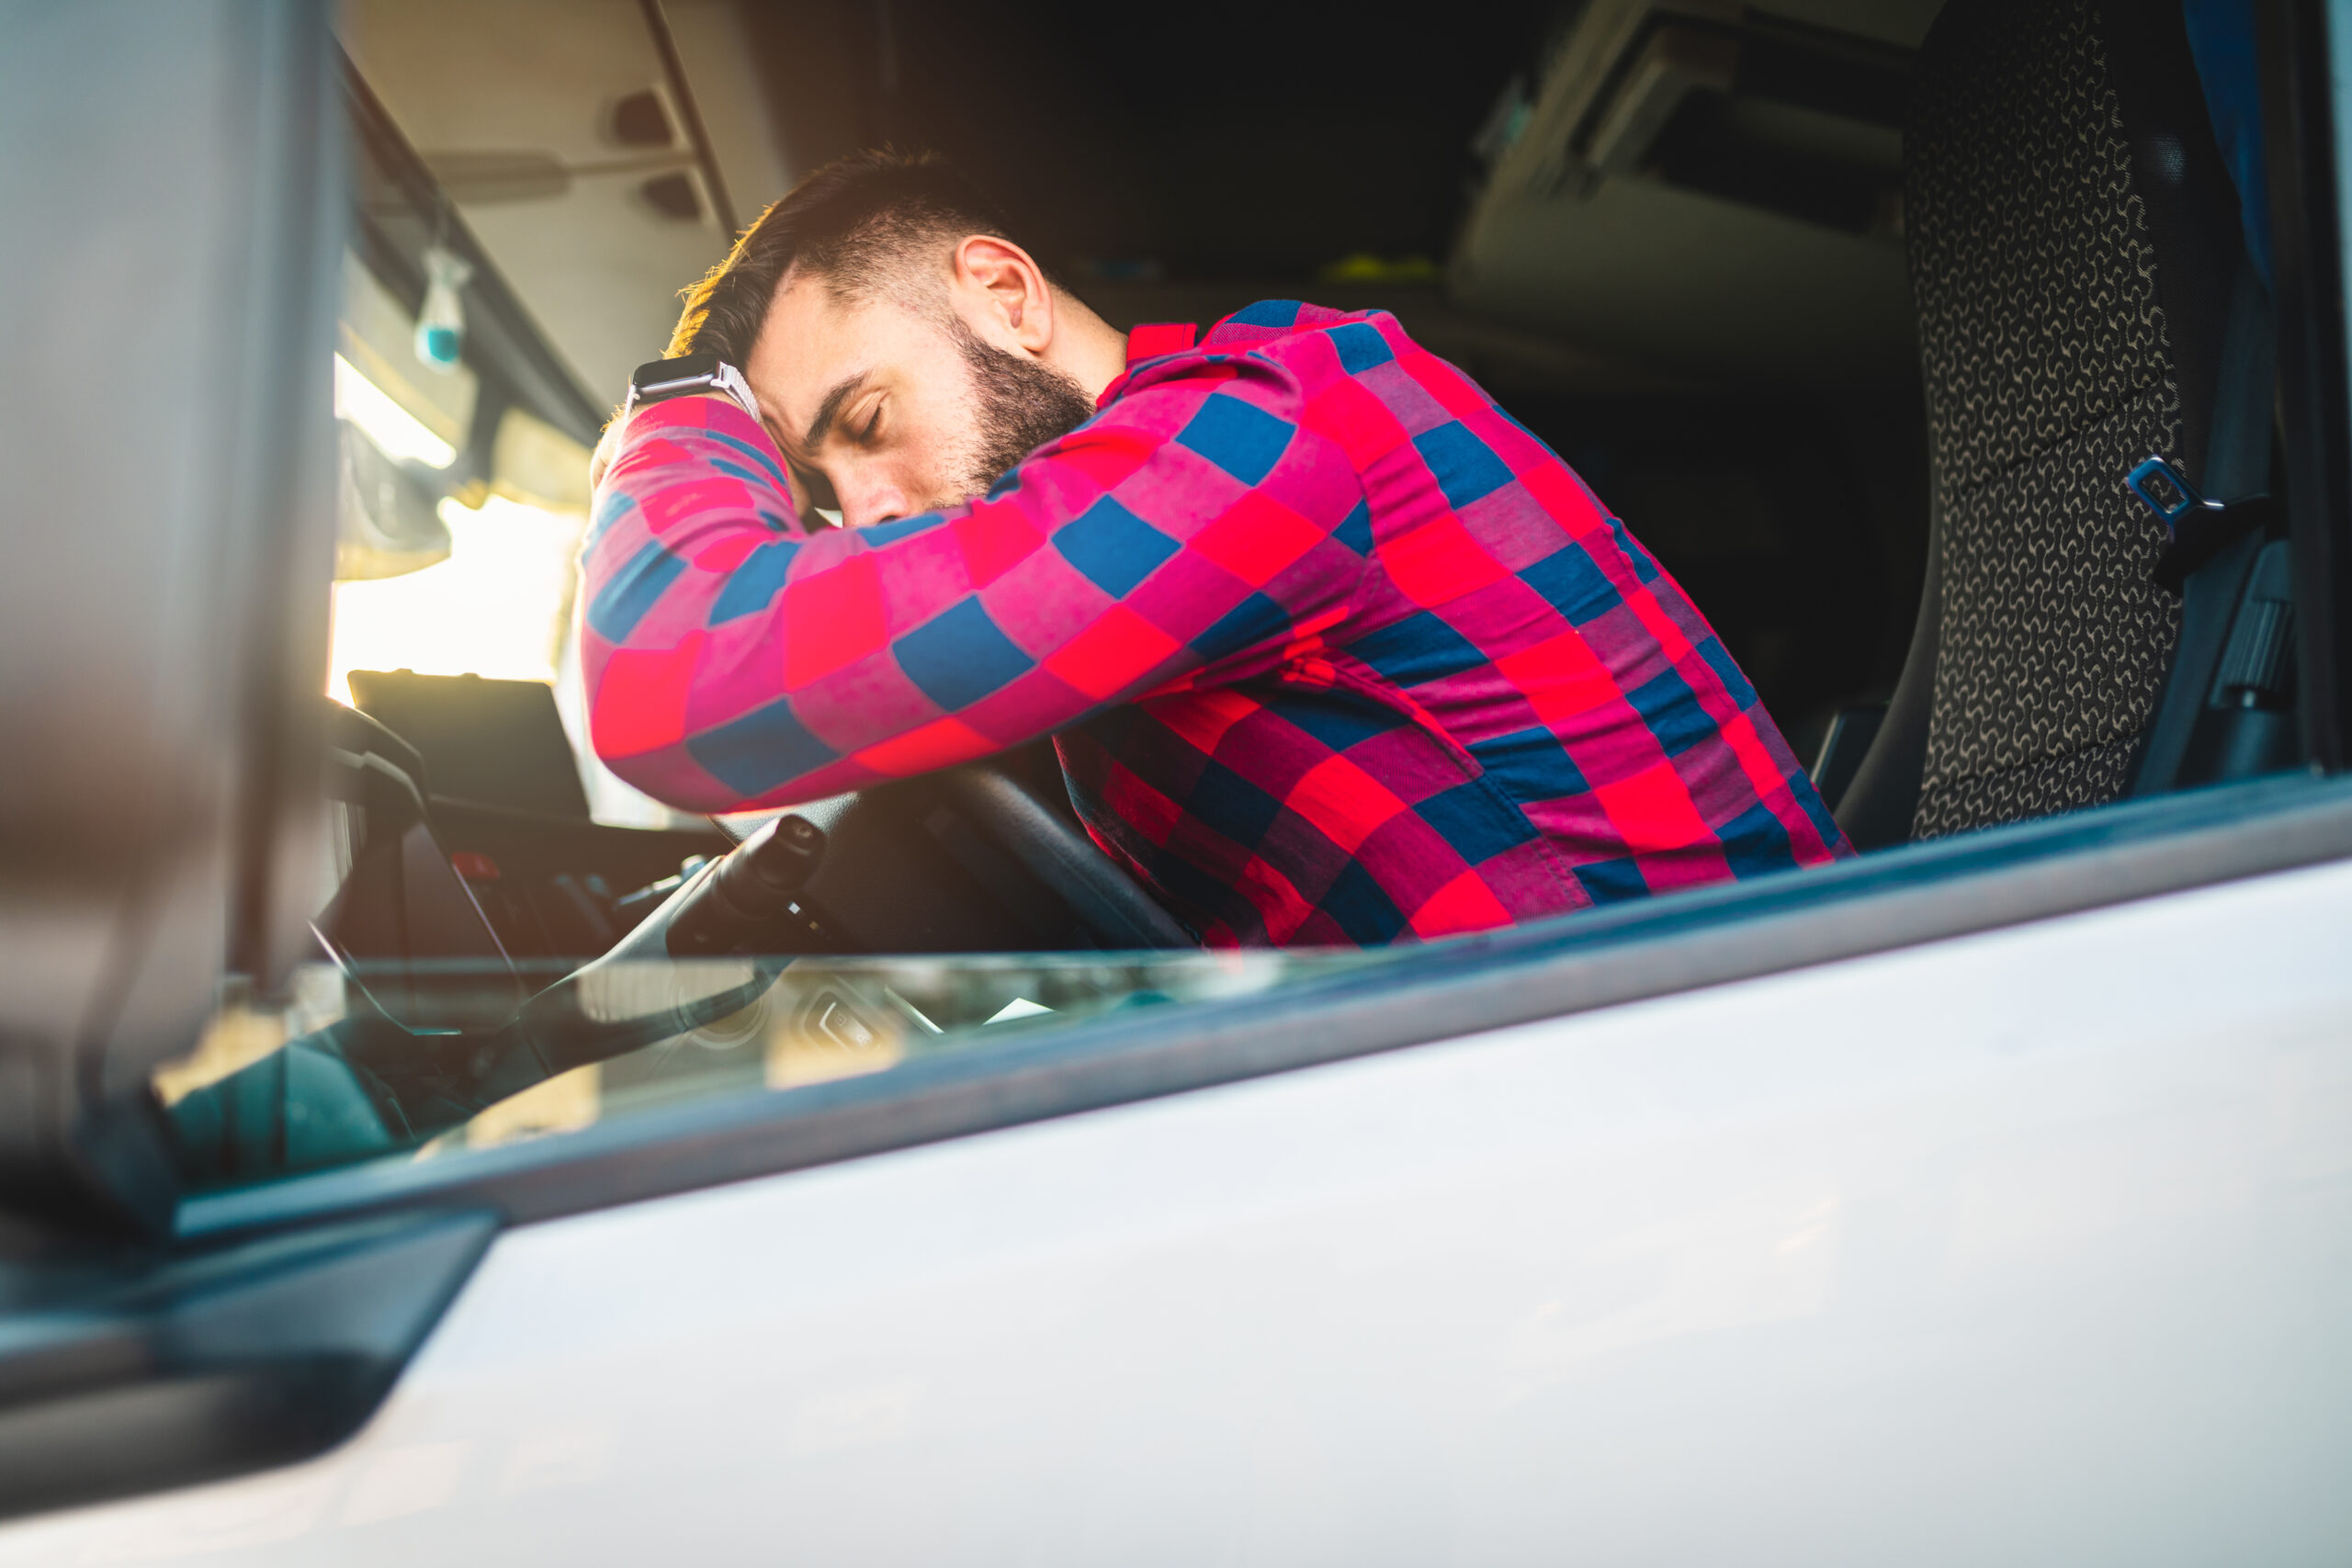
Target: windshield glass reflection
{"type": "Point", "coordinates": [419, 1059]}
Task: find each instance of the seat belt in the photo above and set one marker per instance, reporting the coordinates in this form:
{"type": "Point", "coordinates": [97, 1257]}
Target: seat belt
{"type": "Point", "coordinates": [2201, 527]}
{"type": "Point", "coordinates": [2215, 543]}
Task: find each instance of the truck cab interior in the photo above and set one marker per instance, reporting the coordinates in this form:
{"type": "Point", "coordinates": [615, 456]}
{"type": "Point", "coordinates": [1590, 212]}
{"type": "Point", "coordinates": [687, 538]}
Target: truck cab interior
{"type": "Point", "coordinates": [1975, 364]}
{"type": "Point", "coordinates": [1869, 318]}
{"type": "Point", "coordinates": [1861, 323]}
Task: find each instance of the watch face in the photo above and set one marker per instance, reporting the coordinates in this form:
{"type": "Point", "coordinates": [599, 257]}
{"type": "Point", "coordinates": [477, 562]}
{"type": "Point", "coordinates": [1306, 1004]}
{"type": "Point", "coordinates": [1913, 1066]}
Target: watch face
{"type": "Point", "coordinates": [657, 373]}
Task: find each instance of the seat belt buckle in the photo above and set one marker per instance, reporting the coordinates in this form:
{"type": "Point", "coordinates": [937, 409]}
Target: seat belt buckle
{"type": "Point", "coordinates": [2201, 528]}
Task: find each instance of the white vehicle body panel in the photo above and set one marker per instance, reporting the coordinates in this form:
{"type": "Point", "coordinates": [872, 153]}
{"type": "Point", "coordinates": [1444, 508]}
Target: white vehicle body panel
{"type": "Point", "coordinates": [2033, 1246]}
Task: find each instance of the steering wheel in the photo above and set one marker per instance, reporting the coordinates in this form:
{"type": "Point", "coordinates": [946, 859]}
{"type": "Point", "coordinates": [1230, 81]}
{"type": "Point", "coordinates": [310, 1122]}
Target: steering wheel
{"type": "Point", "coordinates": [967, 859]}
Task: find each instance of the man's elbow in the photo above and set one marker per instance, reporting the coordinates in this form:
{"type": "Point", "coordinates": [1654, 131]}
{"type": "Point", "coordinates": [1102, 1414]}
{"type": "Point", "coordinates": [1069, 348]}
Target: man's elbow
{"type": "Point", "coordinates": [637, 731]}
{"type": "Point", "coordinates": [671, 776]}
{"type": "Point", "coordinates": [638, 703]}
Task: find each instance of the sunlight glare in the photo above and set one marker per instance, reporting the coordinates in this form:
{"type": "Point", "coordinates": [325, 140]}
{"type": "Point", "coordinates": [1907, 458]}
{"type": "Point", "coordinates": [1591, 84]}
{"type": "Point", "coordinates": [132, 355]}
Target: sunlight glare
{"type": "Point", "coordinates": [388, 425]}
{"type": "Point", "coordinates": [496, 607]}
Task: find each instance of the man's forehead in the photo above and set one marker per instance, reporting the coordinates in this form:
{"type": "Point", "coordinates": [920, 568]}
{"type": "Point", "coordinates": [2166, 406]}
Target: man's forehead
{"type": "Point", "coordinates": [813, 341]}
{"type": "Point", "coordinates": [808, 340]}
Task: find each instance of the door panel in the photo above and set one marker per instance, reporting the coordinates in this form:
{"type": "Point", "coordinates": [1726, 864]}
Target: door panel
{"type": "Point", "coordinates": [2031, 1247]}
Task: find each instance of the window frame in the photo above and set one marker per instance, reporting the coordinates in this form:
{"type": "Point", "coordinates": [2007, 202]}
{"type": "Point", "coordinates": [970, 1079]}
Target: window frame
{"type": "Point", "coordinates": [2302, 148]}
{"type": "Point", "coordinates": [1892, 900]}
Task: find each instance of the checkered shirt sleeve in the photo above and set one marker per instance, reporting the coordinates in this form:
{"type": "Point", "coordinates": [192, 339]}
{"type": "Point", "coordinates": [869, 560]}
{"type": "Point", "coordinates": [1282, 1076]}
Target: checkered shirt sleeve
{"type": "Point", "coordinates": [738, 660]}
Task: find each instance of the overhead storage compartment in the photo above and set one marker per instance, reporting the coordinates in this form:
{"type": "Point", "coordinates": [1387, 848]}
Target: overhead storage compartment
{"type": "Point", "coordinates": [1708, 187]}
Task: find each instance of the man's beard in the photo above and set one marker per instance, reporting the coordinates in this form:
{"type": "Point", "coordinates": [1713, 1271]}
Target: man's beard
{"type": "Point", "coordinates": [1022, 404]}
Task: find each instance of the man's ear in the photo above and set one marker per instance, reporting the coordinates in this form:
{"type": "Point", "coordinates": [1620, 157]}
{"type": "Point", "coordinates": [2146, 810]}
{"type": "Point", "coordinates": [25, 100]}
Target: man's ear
{"type": "Point", "coordinates": [1010, 286]}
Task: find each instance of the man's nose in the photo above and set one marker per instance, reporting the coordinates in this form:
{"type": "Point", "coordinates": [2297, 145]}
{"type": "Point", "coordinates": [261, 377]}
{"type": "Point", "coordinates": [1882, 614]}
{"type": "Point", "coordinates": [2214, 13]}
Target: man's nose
{"type": "Point", "coordinates": [875, 500]}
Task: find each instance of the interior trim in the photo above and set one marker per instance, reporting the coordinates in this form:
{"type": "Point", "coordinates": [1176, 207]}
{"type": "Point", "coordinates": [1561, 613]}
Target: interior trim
{"type": "Point", "coordinates": [2315, 401]}
{"type": "Point", "coordinates": [1903, 897]}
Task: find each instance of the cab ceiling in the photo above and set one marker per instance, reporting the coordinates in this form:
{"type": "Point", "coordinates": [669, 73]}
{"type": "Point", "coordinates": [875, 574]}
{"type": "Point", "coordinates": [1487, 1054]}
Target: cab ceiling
{"type": "Point", "coordinates": [529, 88]}
{"type": "Point", "coordinates": [1172, 162]}
{"type": "Point", "coordinates": [1176, 161]}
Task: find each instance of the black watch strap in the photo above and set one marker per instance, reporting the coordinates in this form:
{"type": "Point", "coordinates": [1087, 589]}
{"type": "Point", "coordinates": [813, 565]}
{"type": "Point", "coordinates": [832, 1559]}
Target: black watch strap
{"type": "Point", "coordinates": [657, 380]}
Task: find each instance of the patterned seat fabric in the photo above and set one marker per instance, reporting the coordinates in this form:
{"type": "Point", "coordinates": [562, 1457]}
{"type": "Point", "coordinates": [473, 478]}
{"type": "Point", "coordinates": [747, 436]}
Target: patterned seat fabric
{"type": "Point", "coordinates": [2049, 371]}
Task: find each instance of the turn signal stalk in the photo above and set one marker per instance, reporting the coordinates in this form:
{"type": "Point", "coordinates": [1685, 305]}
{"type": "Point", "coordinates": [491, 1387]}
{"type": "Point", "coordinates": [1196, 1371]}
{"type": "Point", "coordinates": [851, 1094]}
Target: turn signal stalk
{"type": "Point", "coordinates": [752, 888]}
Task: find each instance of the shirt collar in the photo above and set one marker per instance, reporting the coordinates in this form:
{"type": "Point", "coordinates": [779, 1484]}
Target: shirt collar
{"type": "Point", "coordinates": [1150, 341]}
{"type": "Point", "coordinates": [1153, 339]}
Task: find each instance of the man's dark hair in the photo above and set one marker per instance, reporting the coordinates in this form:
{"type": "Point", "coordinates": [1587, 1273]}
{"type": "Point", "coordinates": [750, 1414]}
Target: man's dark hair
{"type": "Point", "coordinates": [857, 223]}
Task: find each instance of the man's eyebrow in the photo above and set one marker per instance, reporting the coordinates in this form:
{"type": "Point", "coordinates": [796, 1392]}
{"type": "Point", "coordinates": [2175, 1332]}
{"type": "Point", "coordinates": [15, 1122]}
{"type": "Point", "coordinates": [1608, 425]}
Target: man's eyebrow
{"type": "Point", "coordinates": [829, 409]}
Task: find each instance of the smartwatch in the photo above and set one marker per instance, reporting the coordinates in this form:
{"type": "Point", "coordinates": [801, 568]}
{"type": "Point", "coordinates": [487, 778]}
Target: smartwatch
{"type": "Point", "coordinates": [657, 380]}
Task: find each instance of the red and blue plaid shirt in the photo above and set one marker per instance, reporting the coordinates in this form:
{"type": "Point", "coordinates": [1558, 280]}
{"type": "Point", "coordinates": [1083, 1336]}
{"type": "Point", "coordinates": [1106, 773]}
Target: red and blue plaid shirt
{"type": "Point", "coordinates": [1333, 650]}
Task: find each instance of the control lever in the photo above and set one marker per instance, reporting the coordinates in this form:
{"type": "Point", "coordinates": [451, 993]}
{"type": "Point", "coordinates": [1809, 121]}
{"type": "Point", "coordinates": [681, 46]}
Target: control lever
{"type": "Point", "coordinates": [751, 888]}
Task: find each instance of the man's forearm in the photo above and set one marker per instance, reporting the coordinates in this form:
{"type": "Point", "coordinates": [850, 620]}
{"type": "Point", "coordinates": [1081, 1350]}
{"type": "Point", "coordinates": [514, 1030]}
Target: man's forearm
{"type": "Point", "coordinates": [734, 659]}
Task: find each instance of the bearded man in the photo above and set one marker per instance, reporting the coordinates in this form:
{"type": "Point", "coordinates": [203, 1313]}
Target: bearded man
{"type": "Point", "coordinates": [1331, 649]}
